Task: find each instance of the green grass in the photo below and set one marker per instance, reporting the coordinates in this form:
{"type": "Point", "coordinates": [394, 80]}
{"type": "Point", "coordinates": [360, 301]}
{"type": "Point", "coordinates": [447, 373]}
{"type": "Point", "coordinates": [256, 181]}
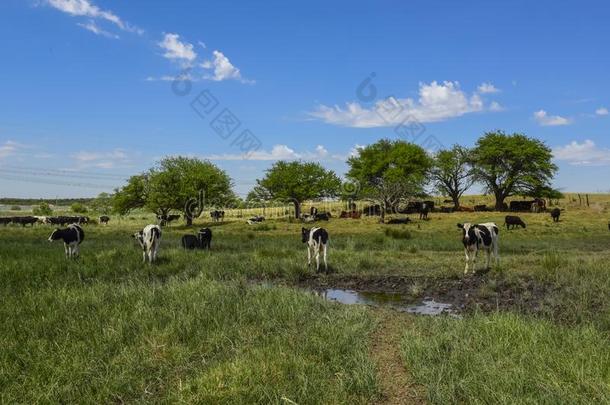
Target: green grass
{"type": "Point", "coordinates": [200, 327]}
{"type": "Point", "coordinates": [508, 359]}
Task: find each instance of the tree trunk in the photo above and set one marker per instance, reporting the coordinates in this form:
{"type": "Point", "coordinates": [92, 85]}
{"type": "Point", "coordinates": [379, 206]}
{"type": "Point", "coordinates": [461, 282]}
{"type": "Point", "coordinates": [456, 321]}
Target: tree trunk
{"type": "Point", "coordinates": [499, 202]}
{"type": "Point", "coordinates": [188, 219]}
{"type": "Point", "coordinates": [297, 209]}
{"type": "Point", "coordinates": [456, 202]}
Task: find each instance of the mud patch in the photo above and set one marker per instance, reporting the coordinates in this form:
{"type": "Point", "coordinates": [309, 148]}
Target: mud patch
{"type": "Point", "coordinates": [483, 292]}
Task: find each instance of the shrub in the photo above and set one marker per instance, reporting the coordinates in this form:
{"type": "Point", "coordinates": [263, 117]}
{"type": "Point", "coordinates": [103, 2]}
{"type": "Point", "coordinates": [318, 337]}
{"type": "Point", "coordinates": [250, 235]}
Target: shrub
{"type": "Point", "coordinates": [43, 210]}
{"type": "Point", "coordinates": [78, 208]}
{"type": "Point", "coordinates": [15, 208]}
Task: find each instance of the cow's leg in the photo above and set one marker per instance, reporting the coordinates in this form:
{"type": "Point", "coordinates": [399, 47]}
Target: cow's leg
{"type": "Point", "coordinates": [144, 256]}
{"type": "Point", "coordinates": [488, 252]}
{"type": "Point", "coordinates": [318, 259]}
{"type": "Point", "coordinates": [66, 250]}
{"type": "Point", "coordinates": [75, 252]}
{"type": "Point", "coordinates": [325, 264]}
{"type": "Point", "coordinates": [308, 256]}
{"type": "Point", "coordinates": [467, 261]}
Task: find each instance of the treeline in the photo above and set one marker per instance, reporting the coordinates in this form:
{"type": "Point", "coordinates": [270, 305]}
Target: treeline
{"type": "Point", "coordinates": [50, 201]}
{"type": "Point", "coordinates": [388, 172]}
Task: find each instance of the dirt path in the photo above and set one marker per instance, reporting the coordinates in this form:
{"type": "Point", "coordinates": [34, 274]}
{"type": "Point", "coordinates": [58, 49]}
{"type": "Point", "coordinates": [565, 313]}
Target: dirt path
{"type": "Point", "coordinates": [395, 382]}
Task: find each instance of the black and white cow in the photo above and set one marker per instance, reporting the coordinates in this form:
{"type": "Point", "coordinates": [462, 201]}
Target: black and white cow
{"type": "Point", "coordinates": [317, 243]}
{"type": "Point", "coordinates": [205, 238]}
{"type": "Point", "coordinates": [477, 237]}
{"type": "Point", "coordinates": [149, 239]}
{"type": "Point", "coordinates": [72, 236]}
{"type": "Point", "coordinates": [256, 220]}
{"type": "Point", "coordinates": [104, 219]}
{"type": "Point", "coordinates": [217, 215]}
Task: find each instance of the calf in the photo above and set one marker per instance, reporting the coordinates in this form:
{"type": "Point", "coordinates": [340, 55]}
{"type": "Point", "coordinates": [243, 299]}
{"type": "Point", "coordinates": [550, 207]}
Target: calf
{"type": "Point", "coordinates": [205, 238]}
{"type": "Point", "coordinates": [555, 213]}
{"type": "Point", "coordinates": [513, 221]}
{"type": "Point", "coordinates": [72, 236]}
{"type": "Point", "coordinates": [477, 237]}
{"type": "Point", "coordinates": [149, 239]}
{"type": "Point", "coordinates": [256, 220]}
{"type": "Point", "coordinates": [104, 219]}
{"type": "Point", "coordinates": [317, 243]}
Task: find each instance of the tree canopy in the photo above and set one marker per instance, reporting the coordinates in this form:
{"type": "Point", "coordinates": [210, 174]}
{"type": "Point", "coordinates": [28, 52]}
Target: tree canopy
{"type": "Point", "coordinates": [296, 182]}
{"type": "Point", "coordinates": [452, 172]}
{"type": "Point", "coordinates": [512, 164]}
{"type": "Point", "coordinates": [389, 171]}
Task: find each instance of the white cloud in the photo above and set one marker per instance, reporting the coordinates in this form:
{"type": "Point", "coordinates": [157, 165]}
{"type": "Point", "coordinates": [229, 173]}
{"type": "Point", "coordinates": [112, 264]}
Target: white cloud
{"type": "Point", "coordinates": [92, 27]}
{"type": "Point", "coordinates": [583, 154]}
{"type": "Point", "coordinates": [102, 160]}
{"type": "Point", "coordinates": [9, 148]}
{"type": "Point", "coordinates": [222, 68]}
{"type": "Point", "coordinates": [86, 8]}
{"type": "Point", "coordinates": [278, 152]}
{"type": "Point", "coordinates": [437, 102]}
{"type": "Point", "coordinates": [176, 49]}
{"type": "Point", "coordinates": [495, 106]}
{"type": "Point", "coordinates": [550, 120]}
{"type": "Point", "coordinates": [487, 88]}
{"type": "Point", "coordinates": [601, 111]}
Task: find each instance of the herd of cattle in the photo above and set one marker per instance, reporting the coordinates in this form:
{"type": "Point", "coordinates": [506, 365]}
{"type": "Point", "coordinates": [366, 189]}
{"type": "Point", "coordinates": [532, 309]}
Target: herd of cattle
{"type": "Point", "coordinates": [61, 220]}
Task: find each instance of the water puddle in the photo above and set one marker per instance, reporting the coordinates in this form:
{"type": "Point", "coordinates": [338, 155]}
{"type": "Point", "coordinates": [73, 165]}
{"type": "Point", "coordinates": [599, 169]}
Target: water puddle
{"type": "Point", "coordinates": [400, 302]}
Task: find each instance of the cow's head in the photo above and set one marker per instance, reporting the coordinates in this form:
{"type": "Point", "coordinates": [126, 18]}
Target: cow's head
{"type": "Point", "coordinates": [468, 235]}
{"type": "Point", "coordinates": [305, 235]}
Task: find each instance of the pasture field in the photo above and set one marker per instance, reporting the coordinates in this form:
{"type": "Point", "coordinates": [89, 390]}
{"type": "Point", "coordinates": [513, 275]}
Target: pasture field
{"type": "Point", "coordinates": [239, 324]}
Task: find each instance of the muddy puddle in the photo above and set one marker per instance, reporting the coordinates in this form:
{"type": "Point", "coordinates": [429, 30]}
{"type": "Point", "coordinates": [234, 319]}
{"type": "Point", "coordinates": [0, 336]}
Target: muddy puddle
{"type": "Point", "coordinates": [397, 301]}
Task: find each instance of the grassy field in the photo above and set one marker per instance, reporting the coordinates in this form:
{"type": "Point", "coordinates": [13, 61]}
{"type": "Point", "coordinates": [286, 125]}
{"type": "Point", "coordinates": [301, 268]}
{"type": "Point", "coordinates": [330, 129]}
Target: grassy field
{"type": "Point", "coordinates": [229, 326]}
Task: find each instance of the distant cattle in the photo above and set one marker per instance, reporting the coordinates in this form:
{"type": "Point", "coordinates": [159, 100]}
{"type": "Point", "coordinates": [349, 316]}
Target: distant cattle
{"type": "Point", "coordinates": [317, 244]}
{"type": "Point", "coordinates": [398, 221]}
{"type": "Point", "coordinates": [350, 214]}
{"type": "Point", "coordinates": [72, 237]}
{"type": "Point", "coordinates": [257, 219]}
{"type": "Point", "coordinates": [463, 208]}
{"type": "Point", "coordinates": [217, 215]}
{"type": "Point", "coordinates": [512, 221]}
{"type": "Point", "coordinates": [424, 210]}
{"type": "Point", "coordinates": [447, 210]}
{"type": "Point", "coordinates": [477, 237]}
{"type": "Point", "coordinates": [149, 239]}
{"type": "Point", "coordinates": [480, 208]}
{"type": "Point", "coordinates": [322, 216]}
{"type": "Point", "coordinates": [416, 207]}
{"type": "Point", "coordinates": [5, 220]}
{"type": "Point", "coordinates": [536, 205]}
{"type": "Point", "coordinates": [23, 221]}
{"type": "Point", "coordinates": [555, 214]}
{"type": "Point", "coordinates": [166, 219]}
{"type": "Point", "coordinates": [104, 219]}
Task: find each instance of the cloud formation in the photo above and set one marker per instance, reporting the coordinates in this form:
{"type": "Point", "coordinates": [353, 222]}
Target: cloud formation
{"type": "Point", "coordinates": [487, 88]}
{"type": "Point", "coordinates": [278, 152]}
{"type": "Point", "coordinates": [601, 111]}
{"type": "Point", "coordinates": [93, 27]}
{"type": "Point", "coordinates": [545, 120]}
{"type": "Point", "coordinates": [102, 160]}
{"type": "Point", "coordinates": [86, 8]}
{"type": "Point", "coordinates": [176, 49]}
{"type": "Point", "coordinates": [436, 102]}
{"type": "Point", "coordinates": [583, 154]}
{"type": "Point", "coordinates": [222, 69]}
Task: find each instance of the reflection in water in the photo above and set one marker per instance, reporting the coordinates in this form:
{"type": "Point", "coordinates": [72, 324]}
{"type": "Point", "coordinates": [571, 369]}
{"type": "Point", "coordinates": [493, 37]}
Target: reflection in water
{"type": "Point", "coordinates": [400, 302]}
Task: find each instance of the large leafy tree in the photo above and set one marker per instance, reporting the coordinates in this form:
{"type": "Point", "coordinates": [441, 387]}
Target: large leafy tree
{"type": "Point", "coordinates": [176, 183]}
{"type": "Point", "coordinates": [389, 171]}
{"type": "Point", "coordinates": [512, 164]}
{"type": "Point", "coordinates": [296, 182]}
{"type": "Point", "coordinates": [452, 173]}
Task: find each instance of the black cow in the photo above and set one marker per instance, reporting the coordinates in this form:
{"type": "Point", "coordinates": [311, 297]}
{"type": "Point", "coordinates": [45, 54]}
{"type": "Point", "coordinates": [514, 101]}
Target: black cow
{"type": "Point", "coordinates": [555, 213]}
{"type": "Point", "coordinates": [72, 236]}
{"type": "Point", "coordinates": [398, 221]}
{"type": "Point", "coordinates": [217, 215]}
{"type": "Point", "coordinates": [104, 219]}
{"type": "Point", "coordinates": [205, 238]}
{"type": "Point", "coordinates": [190, 242]}
{"type": "Point", "coordinates": [24, 220]}
{"type": "Point", "coordinates": [322, 216]}
{"type": "Point", "coordinates": [424, 210]}
{"type": "Point", "coordinates": [5, 220]}
{"type": "Point", "coordinates": [257, 219]}
{"type": "Point", "coordinates": [513, 221]}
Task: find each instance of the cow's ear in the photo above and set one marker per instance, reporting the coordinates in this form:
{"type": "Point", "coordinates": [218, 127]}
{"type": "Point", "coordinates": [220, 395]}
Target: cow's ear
{"type": "Point", "coordinates": [461, 226]}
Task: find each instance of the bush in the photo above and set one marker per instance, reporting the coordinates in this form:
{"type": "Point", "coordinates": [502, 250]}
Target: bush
{"type": "Point", "coordinates": [78, 208]}
{"type": "Point", "coordinates": [15, 208]}
{"type": "Point", "coordinates": [43, 210]}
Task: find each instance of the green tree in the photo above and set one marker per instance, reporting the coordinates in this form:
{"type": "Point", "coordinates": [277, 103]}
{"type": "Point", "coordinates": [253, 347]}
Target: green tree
{"type": "Point", "coordinates": [44, 209]}
{"type": "Point", "coordinates": [452, 173]}
{"type": "Point", "coordinates": [296, 182]}
{"type": "Point", "coordinates": [78, 208]}
{"type": "Point", "coordinates": [512, 164]}
{"type": "Point", "coordinates": [389, 171]}
{"type": "Point", "coordinates": [131, 196]}
{"type": "Point", "coordinates": [102, 203]}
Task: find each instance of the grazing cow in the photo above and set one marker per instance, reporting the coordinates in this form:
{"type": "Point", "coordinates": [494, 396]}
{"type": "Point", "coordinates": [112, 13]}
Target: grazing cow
{"type": "Point", "coordinates": [317, 243]}
{"type": "Point", "coordinates": [166, 219]}
{"type": "Point", "coordinates": [217, 215]}
{"type": "Point", "coordinates": [398, 221]}
{"type": "Point", "coordinates": [322, 216]}
{"type": "Point", "coordinates": [205, 238]}
{"type": "Point", "coordinates": [72, 236]}
{"type": "Point", "coordinates": [6, 220]}
{"type": "Point", "coordinates": [555, 213]}
{"type": "Point", "coordinates": [104, 219]}
{"type": "Point", "coordinates": [423, 211]}
{"type": "Point", "coordinates": [257, 219]}
{"type": "Point", "coordinates": [513, 221]}
{"type": "Point", "coordinates": [350, 214]}
{"type": "Point", "coordinates": [25, 220]}
{"type": "Point", "coordinates": [477, 237]}
{"type": "Point", "coordinates": [149, 239]}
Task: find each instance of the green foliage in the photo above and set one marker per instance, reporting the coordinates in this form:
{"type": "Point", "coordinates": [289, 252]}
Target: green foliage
{"type": "Point", "coordinates": [16, 208]}
{"type": "Point", "coordinates": [44, 209]}
{"type": "Point", "coordinates": [130, 196]}
{"type": "Point", "coordinates": [295, 182]}
{"type": "Point", "coordinates": [102, 203]}
{"type": "Point", "coordinates": [389, 171]}
{"type": "Point", "coordinates": [452, 173]}
{"type": "Point", "coordinates": [512, 164]}
{"type": "Point", "coordinates": [78, 208]}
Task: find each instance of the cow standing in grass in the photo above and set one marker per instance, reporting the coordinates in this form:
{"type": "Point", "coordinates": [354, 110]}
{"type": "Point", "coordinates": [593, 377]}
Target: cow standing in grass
{"type": "Point", "coordinates": [149, 239]}
{"type": "Point", "coordinates": [477, 237]}
{"type": "Point", "coordinates": [513, 221]}
{"type": "Point", "coordinates": [555, 214]}
{"type": "Point", "coordinates": [72, 236]}
{"type": "Point", "coordinates": [317, 244]}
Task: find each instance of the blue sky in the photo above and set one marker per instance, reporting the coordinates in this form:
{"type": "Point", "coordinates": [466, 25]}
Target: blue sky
{"type": "Point", "coordinates": [89, 93]}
